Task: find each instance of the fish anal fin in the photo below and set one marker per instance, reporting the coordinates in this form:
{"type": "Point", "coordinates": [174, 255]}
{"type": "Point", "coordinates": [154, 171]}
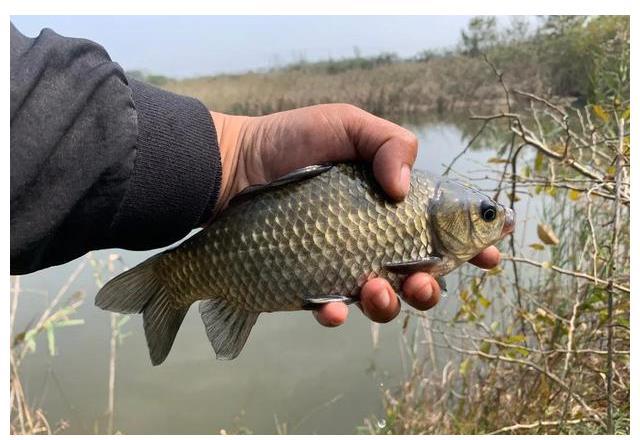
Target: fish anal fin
{"type": "Point", "coordinates": [294, 176]}
{"type": "Point", "coordinates": [161, 323]}
{"type": "Point", "coordinates": [228, 326]}
{"type": "Point", "coordinates": [408, 267]}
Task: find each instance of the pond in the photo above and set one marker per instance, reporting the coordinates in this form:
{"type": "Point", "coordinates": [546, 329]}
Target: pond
{"type": "Point", "coordinates": [292, 371]}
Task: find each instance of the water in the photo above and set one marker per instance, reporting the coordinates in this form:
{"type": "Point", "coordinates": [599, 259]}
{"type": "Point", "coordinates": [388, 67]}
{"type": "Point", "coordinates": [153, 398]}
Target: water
{"type": "Point", "coordinates": [292, 371]}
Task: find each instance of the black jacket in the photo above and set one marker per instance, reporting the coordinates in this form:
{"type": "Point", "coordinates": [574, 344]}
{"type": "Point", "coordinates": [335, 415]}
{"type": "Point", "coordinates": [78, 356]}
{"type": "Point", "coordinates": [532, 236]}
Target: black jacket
{"type": "Point", "coordinates": [99, 160]}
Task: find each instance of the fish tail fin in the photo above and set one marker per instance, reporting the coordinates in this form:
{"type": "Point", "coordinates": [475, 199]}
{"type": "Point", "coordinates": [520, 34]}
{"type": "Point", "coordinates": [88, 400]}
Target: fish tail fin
{"type": "Point", "coordinates": [138, 290]}
{"type": "Point", "coordinates": [228, 326]}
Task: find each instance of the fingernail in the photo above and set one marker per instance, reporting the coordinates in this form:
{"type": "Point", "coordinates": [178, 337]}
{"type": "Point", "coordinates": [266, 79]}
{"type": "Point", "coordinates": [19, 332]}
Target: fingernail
{"type": "Point", "coordinates": [405, 176]}
{"type": "Point", "coordinates": [381, 300]}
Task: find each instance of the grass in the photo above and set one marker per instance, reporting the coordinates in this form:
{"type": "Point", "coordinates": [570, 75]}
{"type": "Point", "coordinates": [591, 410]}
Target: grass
{"type": "Point", "coordinates": [540, 346]}
{"type": "Point", "coordinates": [26, 416]}
{"type": "Point", "coordinates": [403, 88]}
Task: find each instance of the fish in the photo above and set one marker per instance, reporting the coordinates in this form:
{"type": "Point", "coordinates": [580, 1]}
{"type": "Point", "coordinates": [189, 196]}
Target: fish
{"type": "Point", "coordinates": [309, 238]}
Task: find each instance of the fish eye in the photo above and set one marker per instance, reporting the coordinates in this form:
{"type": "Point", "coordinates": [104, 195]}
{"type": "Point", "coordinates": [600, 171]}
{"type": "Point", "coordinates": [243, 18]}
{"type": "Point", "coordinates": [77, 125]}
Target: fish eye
{"type": "Point", "coordinates": [487, 211]}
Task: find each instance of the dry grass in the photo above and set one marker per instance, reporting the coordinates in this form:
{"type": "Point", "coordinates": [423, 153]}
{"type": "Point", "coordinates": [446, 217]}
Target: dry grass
{"type": "Point", "coordinates": [451, 84]}
{"type": "Point", "coordinates": [541, 345]}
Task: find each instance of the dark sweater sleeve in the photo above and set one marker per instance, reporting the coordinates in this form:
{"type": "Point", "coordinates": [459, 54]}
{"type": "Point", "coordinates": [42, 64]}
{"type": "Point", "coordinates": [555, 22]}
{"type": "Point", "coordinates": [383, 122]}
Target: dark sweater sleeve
{"type": "Point", "coordinates": [99, 160]}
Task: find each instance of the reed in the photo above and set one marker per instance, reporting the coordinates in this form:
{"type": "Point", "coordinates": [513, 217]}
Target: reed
{"type": "Point", "coordinates": [542, 344]}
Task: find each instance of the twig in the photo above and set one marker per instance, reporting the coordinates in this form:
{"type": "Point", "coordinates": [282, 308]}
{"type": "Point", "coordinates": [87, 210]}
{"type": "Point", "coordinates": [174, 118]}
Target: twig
{"type": "Point", "coordinates": [534, 366]}
{"type": "Point", "coordinates": [568, 272]}
{"type": "Point", "coordinates": [466, 148]}
{"type": "Point", "coordinates": [14, 303]}
{"type": "Point", "coordinates": [613, 267]}
{"type": "Point", "coordinates": [112, 373]}
{"type": "Point", "coordinates": [538, 424]}
{"type": "Point", "coordinates": [541, 100]}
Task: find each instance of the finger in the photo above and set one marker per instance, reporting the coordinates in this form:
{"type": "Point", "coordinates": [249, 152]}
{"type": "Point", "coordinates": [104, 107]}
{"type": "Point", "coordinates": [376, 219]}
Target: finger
{"type": "Point", "coordinates": [390, 147]}
{"type": "Point", "coordinates": [332, 314]}
{"type": "Point", "coordinates": [421, 291]}
{"type": "Point", "coordinates": [378, 300]}
{"type": "Point", "coordinates": [487, 259]}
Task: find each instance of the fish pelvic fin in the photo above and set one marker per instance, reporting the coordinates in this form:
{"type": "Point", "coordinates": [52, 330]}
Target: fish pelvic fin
{"type": "Point", "coordinates": [228, 326]}
{"type": "Point", "coordinates": [138, 290]}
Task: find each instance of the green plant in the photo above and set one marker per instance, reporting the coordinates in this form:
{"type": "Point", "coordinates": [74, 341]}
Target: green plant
{"type": "Point", "coordinates": [541, 345]}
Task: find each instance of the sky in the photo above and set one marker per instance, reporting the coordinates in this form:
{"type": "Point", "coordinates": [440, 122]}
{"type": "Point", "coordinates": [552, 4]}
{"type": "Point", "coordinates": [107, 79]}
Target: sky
{"type": "Point", "coordinates": [184, 46]}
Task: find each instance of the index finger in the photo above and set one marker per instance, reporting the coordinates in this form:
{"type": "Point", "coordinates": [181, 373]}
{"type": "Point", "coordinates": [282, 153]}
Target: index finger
{"type": "Point", "coordinates": [487, 259]}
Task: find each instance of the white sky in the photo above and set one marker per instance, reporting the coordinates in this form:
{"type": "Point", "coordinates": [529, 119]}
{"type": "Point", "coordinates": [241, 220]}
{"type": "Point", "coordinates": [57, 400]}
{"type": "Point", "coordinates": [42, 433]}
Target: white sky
{"type": "Point", "coordinates": [182, 46]}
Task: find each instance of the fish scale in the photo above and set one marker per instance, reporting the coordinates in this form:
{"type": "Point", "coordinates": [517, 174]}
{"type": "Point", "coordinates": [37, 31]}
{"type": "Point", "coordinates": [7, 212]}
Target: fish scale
{"type": "Point", "coordinates": [311, 237]}
{"type": "Point", "coordinates": [344, 229]}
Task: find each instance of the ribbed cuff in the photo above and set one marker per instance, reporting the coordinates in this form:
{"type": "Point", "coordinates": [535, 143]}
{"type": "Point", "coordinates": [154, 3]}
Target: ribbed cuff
{"type": "Point", "coordinates": [177, 171]}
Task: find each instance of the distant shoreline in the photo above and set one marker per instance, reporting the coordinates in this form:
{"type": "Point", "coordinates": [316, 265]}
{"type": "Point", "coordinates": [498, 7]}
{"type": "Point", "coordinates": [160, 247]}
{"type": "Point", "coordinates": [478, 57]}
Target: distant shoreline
{"type": "Point", "coordinates": [454, 84]}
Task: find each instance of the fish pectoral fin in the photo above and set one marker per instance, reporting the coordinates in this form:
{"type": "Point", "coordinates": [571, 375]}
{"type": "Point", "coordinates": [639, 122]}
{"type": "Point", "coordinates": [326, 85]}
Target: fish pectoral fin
{"type": "Point", "coordinates": [228, 326]}
{"type": "Point", "coordinates": [294, 176]}
{"type": "Point", "coordinates": [316, 303]}
{"type": "Point", "coordinates": [409, 267]}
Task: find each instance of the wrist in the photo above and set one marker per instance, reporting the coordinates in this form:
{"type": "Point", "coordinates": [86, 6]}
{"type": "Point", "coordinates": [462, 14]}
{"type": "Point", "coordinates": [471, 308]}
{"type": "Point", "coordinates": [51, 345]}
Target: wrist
{"type": "Point", "coordinates": [231, 131]}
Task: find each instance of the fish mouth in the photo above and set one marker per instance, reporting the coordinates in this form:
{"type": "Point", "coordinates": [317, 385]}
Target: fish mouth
{"type": "Point", "coordinates": [509, 222]}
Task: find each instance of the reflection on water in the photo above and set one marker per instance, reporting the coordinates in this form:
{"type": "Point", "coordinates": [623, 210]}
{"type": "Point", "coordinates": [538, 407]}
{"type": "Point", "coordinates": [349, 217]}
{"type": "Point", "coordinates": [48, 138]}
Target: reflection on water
{"type": "Point", "coordinates": [292, 371]}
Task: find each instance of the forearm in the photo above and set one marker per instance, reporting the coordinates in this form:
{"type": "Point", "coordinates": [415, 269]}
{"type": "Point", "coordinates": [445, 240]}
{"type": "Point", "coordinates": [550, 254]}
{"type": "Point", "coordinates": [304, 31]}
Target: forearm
{"type": "Point", "coordinates": [98, 161]}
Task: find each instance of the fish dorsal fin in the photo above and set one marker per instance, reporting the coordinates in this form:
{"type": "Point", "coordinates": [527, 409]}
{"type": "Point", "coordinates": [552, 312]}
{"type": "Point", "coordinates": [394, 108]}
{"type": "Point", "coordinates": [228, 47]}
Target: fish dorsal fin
{"type": "Point", "coordinates": [228, 326]}
{"type": "Point", "coordinates": [294, 176]}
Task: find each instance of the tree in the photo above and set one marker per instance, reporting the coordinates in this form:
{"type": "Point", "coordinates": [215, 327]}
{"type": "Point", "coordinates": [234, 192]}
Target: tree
{"type": "Point", "coordinates": [481, 35]}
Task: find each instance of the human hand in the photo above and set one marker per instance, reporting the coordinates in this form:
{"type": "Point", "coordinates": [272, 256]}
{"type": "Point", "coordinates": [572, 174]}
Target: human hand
{"type": "Point", "coordinates": [256, 150]}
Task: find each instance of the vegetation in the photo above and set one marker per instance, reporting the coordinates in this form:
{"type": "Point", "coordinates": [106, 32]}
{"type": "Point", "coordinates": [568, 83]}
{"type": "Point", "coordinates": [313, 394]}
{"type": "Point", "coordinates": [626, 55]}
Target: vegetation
{"type": "Point", "coordinates": [26, 417]}
{"type": "Point", "coordinates": [566, 56]}
{"type": "Point", "coordinates": [542, 344]}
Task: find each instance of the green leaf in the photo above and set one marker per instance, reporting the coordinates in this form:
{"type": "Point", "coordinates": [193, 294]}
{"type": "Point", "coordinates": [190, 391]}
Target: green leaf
{"type": "Point", "coordinates": [31, 345]}
{"type": "Point", "coordinates": [484, 302]}
{"type": "Point", "coordinates": [515, 339]}
{"type": "Point", "coordinates": [68, 323]}
{"type": "Point", "coordinates": [497, 160]}
{"type": "Point", "coordinates": [623, 321]}
{"type": "Point", "coordinates": [537, 165]}
{"type": "Point", "coordinates": [51, 340]}
{"type": "Point", "coordinates": [465, 367]}
{"type": "Point", "coordinates": [485, 347]}
{"type": "Point", "coordinates": [537, 246]}
{"type": "Point", "coordinates": [514, 351]}
{"type": "Point", "coordinates": [123, 320]}
{"type": "Point", "coordinates": [626, 114]}
{"type": "Point", "coordinates": [29, 335]}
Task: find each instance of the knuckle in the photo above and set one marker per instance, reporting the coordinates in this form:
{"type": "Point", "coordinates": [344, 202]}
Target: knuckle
{"type": "Point", "coordinates": [349, 109]}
